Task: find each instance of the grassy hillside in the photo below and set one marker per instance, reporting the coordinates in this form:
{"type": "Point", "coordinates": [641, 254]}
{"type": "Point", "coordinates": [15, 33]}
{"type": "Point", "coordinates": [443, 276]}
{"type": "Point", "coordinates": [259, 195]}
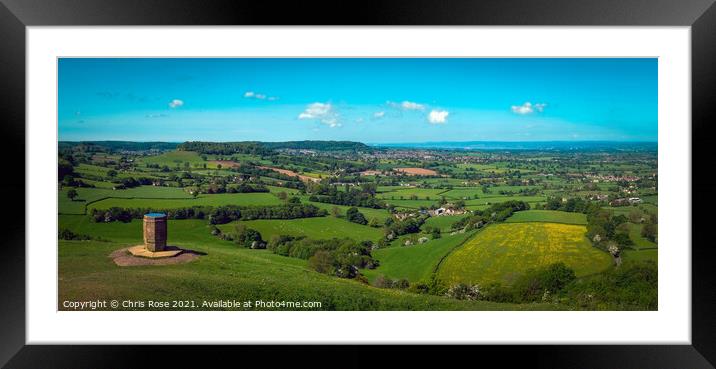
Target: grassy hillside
{"type": "Point", "coordinates": [226, 272]}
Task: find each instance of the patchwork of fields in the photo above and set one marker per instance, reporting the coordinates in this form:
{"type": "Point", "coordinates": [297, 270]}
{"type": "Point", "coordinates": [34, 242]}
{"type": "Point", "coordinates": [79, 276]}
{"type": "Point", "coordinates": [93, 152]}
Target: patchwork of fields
{"type": "Point", "coordinates": [511, 243]}
{"type": "Point", "coordinates": [225, 271]}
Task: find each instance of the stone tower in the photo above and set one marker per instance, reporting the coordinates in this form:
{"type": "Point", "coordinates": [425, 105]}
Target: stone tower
{"type": "Point", "coordinates": [155, 231]}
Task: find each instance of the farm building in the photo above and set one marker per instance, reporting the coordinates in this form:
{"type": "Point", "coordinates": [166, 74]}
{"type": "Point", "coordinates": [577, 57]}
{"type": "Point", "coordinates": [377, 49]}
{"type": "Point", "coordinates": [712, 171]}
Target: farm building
{"type": "Point", "coordinates": [625, 201]}
{"type": "Point", "coordinates": [446, 210]}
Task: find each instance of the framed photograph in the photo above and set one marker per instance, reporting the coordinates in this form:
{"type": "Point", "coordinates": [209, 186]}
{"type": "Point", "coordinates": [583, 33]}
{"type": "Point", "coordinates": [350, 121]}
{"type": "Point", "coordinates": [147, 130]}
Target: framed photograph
{"type": "Point", "coordinates": [494, 174]}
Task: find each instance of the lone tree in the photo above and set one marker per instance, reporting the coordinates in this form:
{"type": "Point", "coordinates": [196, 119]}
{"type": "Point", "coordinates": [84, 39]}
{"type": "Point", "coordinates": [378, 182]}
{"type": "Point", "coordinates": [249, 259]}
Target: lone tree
{"type": "Point", "coordinates": [355, 216]}
{"type": "Point", "coordinates": [72, 194]}
{"type": "Point", "coordinates": [322, 261]}
{"type": "Point", "coordinates": [649, 231]}
{"type": "Point", "coordinates": [248, 237]}
{"type": "Point", "coordinates": [435, 233]}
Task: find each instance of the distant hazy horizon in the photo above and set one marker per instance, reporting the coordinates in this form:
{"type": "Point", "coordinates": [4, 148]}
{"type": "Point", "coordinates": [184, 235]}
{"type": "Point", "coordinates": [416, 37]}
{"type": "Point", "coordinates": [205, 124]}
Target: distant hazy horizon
{"type": "Point", "coordinates": [375, 143]}
{"type": "Point", "coordinates": [475, 145]}
{"type": "Point", "coordinates": [377, 101]}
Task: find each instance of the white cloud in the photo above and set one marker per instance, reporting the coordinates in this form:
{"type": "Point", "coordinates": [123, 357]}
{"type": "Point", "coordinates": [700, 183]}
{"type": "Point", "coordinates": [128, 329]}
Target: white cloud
{"type": "Point", "coordinates": [359, 120]}
{"type": "Point", "coordinates": [438, 116]}
{"type": "Point", "coordinates": [315, 110]}
{"type": "Point", "coordinates": [407, 105]}
{"type": "Point", "coordinates": [322, 112]}
{"type": "Point", "coordinates": [160, 115]}
{"type": "Point", "coordinates": [256, 95]}
{"type": "Point", "coordinates": [378, 114]}
{"type": "Point", "coordinates": [176, 103]}
{"type": "Point", "coordinates": [528, 108]}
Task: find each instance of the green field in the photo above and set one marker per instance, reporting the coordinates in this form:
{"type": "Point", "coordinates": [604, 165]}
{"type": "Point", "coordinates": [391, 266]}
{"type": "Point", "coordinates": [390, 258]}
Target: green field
{"type": "Point", "coordinates": [226, 271]}
{"type": "Point", "coordinates": [369, 213]}
{"type": "Point", "coordinates": [640, 255]}
{"type": "Point", "coordinates": [174, 158]}
{"type": "Point", "coordinates": [412, 204]}
{"type": "Point", "coordinates": [464, 193]}
{"type": "Point", "coordinates": [406, 193]}
{"type": "Point", "coordinates": [240, 199]}
{"type": "Point", "coordinates": [90, 171]}
{"type": "Point", "coordinates": [89, 195]}
{"type": "Point", "coordinates": [494, 199]}
{"type": "Point", "coordinates": [414, 263]}
{"type": "Point", "coordinates": [443, 222]}
{"type": "Point", "coordinates": [276, 189]}
{"type": "Point", "coordinates": [99, 184]}
{"type": "Point", "coordinates": [476, 207]}
{"type": "Point", "coordinates": [550, 216]}
{"type": "Point", "coordinates": [639, 241]}
{"type": "Point", "coordinates": [650, 199]}
{"type": "Point", "coordinates": [502, 252]}
{"type": "Point", "coordinates": [315, 228]}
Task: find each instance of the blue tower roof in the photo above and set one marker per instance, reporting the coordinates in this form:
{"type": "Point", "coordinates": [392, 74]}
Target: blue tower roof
{"type": "Point", "coordinates": [155, 215]}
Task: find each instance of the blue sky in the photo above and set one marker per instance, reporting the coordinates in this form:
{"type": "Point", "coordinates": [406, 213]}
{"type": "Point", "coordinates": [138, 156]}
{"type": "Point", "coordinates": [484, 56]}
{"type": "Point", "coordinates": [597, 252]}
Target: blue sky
{"type": "Point", "coordinates": [367, 100]}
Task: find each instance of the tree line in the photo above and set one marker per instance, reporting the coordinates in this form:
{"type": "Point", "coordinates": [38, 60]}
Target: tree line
{"type": "Point", "coordinates": [225, 148]}
{"type": "Point", "coordinates": [363, 196]}
{"type": "Point", "coordinates": [495, 213]}
{"type": "Point", "coordinates": [215, 215]}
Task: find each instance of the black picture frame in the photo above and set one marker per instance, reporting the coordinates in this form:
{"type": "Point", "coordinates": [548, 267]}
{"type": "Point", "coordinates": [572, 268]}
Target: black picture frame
{"type": "Point", "coordinates": [16, 15]}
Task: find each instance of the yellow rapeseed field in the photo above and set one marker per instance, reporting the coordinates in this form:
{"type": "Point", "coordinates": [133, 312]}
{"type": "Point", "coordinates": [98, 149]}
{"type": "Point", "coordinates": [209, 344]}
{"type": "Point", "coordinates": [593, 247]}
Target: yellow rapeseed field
{"type": "Point", "coordinates": [501, 252]}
